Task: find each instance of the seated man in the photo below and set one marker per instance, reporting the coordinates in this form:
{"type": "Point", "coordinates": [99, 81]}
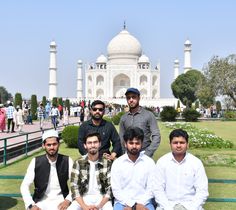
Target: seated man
{"type": "Point", "coordinates": [132, 173]}
{"type": "Point", "coordinates": [50, 173]}
{"type": "Point", "coordinates": [181, 182]}
{"type": "Point", "coordinates": [90, 178]}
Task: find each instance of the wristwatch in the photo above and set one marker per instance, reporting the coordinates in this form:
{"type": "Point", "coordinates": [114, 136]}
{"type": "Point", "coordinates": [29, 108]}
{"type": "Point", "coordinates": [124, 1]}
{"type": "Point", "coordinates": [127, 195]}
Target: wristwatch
{"type": "Point", "coordinates": [30, 206]}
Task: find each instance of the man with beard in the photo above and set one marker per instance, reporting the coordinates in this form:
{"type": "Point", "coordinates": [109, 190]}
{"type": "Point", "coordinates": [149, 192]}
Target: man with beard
{"type": "Point", "coordinates": [50, 173]}
{"type": "Point", "coordinates": [132, 174]}
{"type": "Point", "coordinates": [106, 130]}
{"type": "Point", "coordinates": [181, 182]}
{"type": "Point", "coordinates": [138, 116]}
{"type": "Point", "coordinates": [90, 178]}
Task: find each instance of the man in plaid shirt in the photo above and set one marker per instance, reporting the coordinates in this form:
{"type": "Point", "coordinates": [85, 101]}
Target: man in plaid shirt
{"type": "Point", "coordinates": [90, 178]}
{"type": "Point", "coordinates": [10, 118]}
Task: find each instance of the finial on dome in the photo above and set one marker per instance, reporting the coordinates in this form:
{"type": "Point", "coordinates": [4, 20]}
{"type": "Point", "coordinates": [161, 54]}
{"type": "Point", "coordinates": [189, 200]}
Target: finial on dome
{"type": "Point", "coordinates": [124, 25]}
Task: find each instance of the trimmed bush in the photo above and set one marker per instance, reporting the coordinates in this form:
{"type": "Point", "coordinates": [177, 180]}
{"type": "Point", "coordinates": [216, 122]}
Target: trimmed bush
{"type": "Point", "coordinates": [168, 114]}
{"type": "Point", "coordinates": [70, 136]}
{"type": "Point", "coordinates": [34, 105]}
{"type": "Point", "coordinates": [190, 115]}
{"type": "Point", "coordinates": [107, 118]}
{"type": "Point", "coordinates": [229, 115]}
{"type": "Point", "coordinates": [116, 118]}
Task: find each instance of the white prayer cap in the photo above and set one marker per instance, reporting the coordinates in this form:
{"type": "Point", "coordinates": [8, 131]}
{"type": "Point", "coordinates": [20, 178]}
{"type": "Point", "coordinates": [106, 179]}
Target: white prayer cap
{"type": "Point", "coordinates": [49, 133]}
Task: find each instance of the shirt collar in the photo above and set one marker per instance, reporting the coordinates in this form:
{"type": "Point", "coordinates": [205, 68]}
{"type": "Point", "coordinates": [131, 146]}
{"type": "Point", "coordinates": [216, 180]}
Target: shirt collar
{"type": "Point", "coordinates": [138, 111]}
{"type": "Point", "coordinates": [100, 160]}
{"type": "Point", "coordinates": [174, 160]}
{"type": "Point", "coordinates": [140, 157]}
{"type": "Point", "coordinates": [91, 122]}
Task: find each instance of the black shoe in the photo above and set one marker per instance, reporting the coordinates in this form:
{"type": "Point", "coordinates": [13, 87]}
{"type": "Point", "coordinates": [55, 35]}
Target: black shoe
{"type": "Point", "coordinates": [13, 132]}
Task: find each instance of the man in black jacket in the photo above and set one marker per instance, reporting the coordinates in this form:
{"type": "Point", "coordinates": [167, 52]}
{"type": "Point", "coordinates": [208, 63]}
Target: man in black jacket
{"type": "Point", "coordinates": [106, 130]}
{"type": "Point", "coordinates": [50, 173]}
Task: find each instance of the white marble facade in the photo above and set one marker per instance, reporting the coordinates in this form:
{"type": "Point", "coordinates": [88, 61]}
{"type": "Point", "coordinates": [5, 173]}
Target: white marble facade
{"type": "Point", "coordinates": [124, 66]}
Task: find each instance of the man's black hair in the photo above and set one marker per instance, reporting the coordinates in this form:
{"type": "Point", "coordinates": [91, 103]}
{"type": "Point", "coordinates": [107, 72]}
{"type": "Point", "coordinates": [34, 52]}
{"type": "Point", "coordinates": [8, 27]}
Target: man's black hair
{"type": "Point", "coordinates": [178, 133]}
{"type": "Point", "coordinates": [96, 102]}
{"type": "Point", "coordinates": [90, 134]}
{"type": "Point", "coordinates": [133, 132]}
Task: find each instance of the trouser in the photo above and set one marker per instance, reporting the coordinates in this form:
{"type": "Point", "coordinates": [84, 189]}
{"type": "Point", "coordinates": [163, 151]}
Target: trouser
{"type": "Point", "coordinates": [41, 121]}
{"type": "Point", "coordinates": [10, 122]}
{"type": "Point", "coordinates": [119, 206]}
{"type": "Point", "coordinates": [50, 204]}
{"type": "Point", "coordinates": [54, 121]}
{"type": "Point", "coordinates": [90, 200]}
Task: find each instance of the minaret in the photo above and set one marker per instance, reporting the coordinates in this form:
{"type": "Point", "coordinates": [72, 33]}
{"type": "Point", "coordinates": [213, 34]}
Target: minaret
{"type": "Point", "coordinates": [187, 56]}
{"type": "Point", "coordinates": [53, 71]}
{"type": "Point", "coordinates": [79, 80]}
{"type": "Point", "coordinates": [176, 68]}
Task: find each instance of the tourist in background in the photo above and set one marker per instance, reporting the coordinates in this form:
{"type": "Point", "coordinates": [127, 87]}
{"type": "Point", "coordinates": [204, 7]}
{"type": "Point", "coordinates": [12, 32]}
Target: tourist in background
{"type": "Point", "coordinates": [10, 121]}
{"type": "Point", "coordinates": [18, 118]}
{"type": "Point", "coordinates": [41, 115]}
{"type": "Point", "coordinates": [2, 118]}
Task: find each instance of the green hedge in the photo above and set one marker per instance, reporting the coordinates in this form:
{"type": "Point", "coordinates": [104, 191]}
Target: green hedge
{"type": "Point", "coordinates": [168, 114]}
{"type": "Point", "coordinates": [70, 136]}
{"type": "Point", "coordinates": [190, 115]}
{"type": "Point", "coordinates": [116, 118]}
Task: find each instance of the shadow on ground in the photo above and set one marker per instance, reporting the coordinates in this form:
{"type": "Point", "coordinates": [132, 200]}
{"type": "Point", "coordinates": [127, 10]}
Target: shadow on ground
{"type": "Point", "coordinates": [7, 203]}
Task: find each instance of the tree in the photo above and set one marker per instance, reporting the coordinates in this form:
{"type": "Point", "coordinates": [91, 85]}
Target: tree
{"type": "Point", "coordinates": [44, 101]}
{"type": "Point", "coordinates": [67, 104]}
{"type": "Point", "coordinates": [18, 100]}
{"type": "Point", "coordinates": [60, 101]}
{"type": "Point", "coordinates": [221, 73]}
{"type": "Point", "coordinates": [205, 93]}
{"type": "Point", "coordinates": [34, 105]}
{"type": "Point", "coordinates": [4, 95]}
{"type": "Point", "coordinates": [54, 101]}
{"type": "Point", "coordinates": [218, 107]}
{"type": "Point", "coordinates": [185, 86]}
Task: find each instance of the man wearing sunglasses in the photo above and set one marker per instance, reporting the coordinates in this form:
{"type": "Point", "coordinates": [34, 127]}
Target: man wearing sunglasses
{"type": "Point", "coordinates": [138, 116]}
{"type": "Point", "coordinates": [107, 131]}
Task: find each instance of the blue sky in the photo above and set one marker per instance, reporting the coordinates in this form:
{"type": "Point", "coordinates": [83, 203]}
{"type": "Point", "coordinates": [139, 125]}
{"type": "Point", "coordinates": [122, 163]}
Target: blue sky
{"type": "Point", "coordinates": [83, 29]}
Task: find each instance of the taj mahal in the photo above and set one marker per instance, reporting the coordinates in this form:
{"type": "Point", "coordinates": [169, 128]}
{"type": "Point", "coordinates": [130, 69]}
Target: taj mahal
{"type": "Point", "coordinates": [124, 66]}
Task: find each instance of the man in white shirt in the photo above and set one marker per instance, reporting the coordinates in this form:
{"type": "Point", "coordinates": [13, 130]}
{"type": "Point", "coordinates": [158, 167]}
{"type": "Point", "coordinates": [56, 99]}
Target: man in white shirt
{"type": "Point", "coordinates": [90, 178]}
{"type": "Point", "coordinates": [181, 182]}
{"type": "Point", "coordinates": [50, 173]}
{"type": "Point", "coordinates": [132, 173]}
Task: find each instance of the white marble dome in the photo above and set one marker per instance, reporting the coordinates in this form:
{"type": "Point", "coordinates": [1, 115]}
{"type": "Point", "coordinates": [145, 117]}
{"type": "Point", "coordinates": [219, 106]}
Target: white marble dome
{"type": "Point", "coordinates": [143, 59]}
{"type": "Point", "coordinates": [124, 44]}
{"type": "Point", "coordinates": [101, 59]}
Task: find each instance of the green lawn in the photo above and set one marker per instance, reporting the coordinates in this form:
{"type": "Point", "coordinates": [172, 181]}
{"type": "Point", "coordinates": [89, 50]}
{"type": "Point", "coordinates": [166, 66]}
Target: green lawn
{"type": "Point", "coordinates": [223, 129]}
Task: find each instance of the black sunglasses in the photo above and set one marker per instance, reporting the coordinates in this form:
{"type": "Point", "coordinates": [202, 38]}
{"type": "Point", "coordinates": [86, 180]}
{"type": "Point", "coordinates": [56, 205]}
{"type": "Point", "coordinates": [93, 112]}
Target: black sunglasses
{"type": "Point", "coordinates": [99, 109]}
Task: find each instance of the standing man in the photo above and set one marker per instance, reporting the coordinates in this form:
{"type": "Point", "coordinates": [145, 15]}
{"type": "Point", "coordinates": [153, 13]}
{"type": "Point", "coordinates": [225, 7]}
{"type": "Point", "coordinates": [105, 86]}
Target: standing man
{"type": "Point", "coordinates": [50, 173]}
{"type": "Point", "coordinates": [181, 181]}
{"type": "Point", "coordinates": [54, 116]}
{"type": "Point", "coordinates": [90, 178]}
{"type": "Point", "coordinates": [41, 115]}
{"type": "Point", "coordinates": [10, 116]}
{"type": "Point", "coordinates": [132, 174]}
{"type": "Point", "coordinates": [106, 130]}
{"type": "Point", "coordinates": [137, 116]}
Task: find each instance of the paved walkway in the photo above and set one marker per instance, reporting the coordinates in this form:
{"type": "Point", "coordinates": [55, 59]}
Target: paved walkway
{"type": "Point", "coordinates": [14, 138]}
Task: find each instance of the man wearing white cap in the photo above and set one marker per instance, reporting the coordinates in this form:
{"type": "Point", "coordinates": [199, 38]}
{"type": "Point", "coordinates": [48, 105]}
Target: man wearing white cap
{"type": "Point", "coordinates": [50, 173]}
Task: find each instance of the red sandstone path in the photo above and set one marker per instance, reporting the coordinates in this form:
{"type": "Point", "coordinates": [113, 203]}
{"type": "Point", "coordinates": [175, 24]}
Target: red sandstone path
{"type": "Point", "coordinates": [17, 138]}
